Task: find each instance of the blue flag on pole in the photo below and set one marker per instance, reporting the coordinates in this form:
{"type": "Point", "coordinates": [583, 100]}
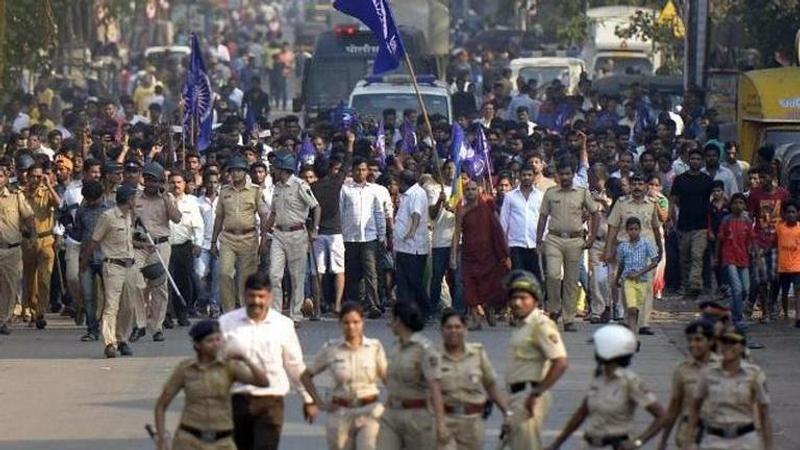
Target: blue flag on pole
{"type": "Point", "coordinates": [407, 130]}
{"type": "Point", "coordinates": [377, 15]}
{"type": "Point", "coordinates": [198, 100]}
{"type": "Point", "coordinates": [306, 155]}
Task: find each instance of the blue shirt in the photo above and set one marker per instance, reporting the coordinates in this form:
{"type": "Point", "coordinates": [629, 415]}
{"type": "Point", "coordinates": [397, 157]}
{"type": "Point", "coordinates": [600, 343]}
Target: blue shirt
{"type": "Point", "coordinates": [636, 256]}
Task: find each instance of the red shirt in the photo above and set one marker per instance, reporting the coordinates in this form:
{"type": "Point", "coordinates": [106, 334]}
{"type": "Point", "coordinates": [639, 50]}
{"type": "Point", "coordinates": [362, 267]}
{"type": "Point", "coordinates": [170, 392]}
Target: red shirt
{"type": "Point", "coordinates": [765, 208]}
{"type": "Point", "coordinates": [735, 235]}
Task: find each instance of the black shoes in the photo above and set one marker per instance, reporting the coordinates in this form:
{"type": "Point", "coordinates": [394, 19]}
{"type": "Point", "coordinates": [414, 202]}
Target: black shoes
{"type": "Point", "coordinates": [124, 349]}
{"type": "Point", "coordinates": [110, 351]}
{"type": "Point", "coordinates": [184, 322]}
{"type": "Point", "coordinates": [158, 337]}
{"type": "Point", "coordinates": [646, 331]}
{"type": "Point", "coordinates": [136, 334]}
{"type": "Point", "coordinates": [570, 327]}
{"type": "Point", "coordinates": [5, 330]}
{"type": "Point", "coordinates": [374, 313]}
{"type": "Point", "coordinates": [41, 323]}
{"type": "Point", "coordinates": [168, 324]}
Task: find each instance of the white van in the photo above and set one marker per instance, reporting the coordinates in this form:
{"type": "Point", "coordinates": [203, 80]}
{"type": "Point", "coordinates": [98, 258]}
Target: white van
{"type": "Point", "coordinates": [546, 69]}
{"type": "Point", "coordinates": [373, 95]}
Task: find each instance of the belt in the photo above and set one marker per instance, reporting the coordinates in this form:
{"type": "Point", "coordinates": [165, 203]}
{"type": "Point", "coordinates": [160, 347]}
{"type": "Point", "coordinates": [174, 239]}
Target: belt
{"type": "Point", "coordinates": [567, 234]}
{"type": "Point", "coordinates": [156, 241]}
{"type": "Point", "coordinates": [44, 234]}
{"type": "Point", "coordinates": [605, 441]}
{"type": "Point", "coordinates": [413, 403]}
{"type": "Point", "coordinates": [464, 409]}
{"type": "Point", "coordinates": [241, 232]}
{"type": "Point", "coordinates": [5, 246]}
{"type": "Point", "coordinates": [295, 227]}
{"type": "Point", "coordinates": [346, 403]}
{"type": "Point", "coordinates": [124, 262]}
{"type": "Point", "coordinates": [518, 387]}
{"type": "Point", "coordinates": [208, 436]}
{"type": "Point", "coordinates": [731, 432]}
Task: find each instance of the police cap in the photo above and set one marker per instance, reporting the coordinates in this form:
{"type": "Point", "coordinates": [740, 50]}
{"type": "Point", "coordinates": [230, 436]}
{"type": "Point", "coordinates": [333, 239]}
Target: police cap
{"type": "Point", "coordinates": [154, 170]}
{"type": "Point", "coordinates": [125, 193]}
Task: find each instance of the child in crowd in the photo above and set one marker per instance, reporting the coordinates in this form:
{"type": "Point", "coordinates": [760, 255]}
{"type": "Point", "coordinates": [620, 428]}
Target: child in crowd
{"type": "Point", "coordinates": [788, 233]}
{"type": "Point", "coordinates": [636, 258]}
{"type": "Point", "coordinates": [736, 241]}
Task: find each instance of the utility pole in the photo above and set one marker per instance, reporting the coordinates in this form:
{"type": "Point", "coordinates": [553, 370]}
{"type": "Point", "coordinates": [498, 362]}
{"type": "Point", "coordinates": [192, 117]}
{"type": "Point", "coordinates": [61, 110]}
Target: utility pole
{"type": "Point", "coordinates": [696, 54]}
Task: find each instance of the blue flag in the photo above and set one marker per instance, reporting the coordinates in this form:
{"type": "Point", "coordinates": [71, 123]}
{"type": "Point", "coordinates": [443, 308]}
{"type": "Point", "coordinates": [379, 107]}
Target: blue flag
{"type": "Point", "coordinates": [480, 162]}
{"type": "Point", "coordinates": [458, 153]}
{"type": "Point", "coordinates": [377, 15]}
{"type": "Point", "coordinates": [198, 100]}
{"type": "Point", "coordinates": [409, 137]}
{"type": "Point", "coordinates": [380, 145]}
{"type": "Point", "coordinates": [307, 154]}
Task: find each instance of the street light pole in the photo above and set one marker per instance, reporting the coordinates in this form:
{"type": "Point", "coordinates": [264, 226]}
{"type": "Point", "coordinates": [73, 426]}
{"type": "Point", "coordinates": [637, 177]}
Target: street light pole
{"type": "Point", "coordinates": [696, 54]}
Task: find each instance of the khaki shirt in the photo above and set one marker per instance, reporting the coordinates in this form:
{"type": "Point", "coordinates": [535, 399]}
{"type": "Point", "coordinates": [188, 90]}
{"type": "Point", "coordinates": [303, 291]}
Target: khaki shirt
{"type": "Point", "coordinates": [686, 377]}
{"type": "Point", "coordinates": [531, 348]}
{"type": "Point", "coordinates": [565, 208]}
{"type": "Point", "coordinates": [728, 400]}
{"type": "Point", "coordinates": [43, 206]}
{"type": "Point", "coordinates": [207, 389]}
{"type": "Point", "coordinates": [625, 208]}
{"type": "Point", "coordinates": [355, 371]}
{"type": "Point", "coordinates": [114, 233]}
{"type": "Point", "coordinates": [238, 208]}
{"type": "Point", "coordinates": [292, 201]}
{"type": "Point", "coordinates": [612, 403]}
{"type": "Point", "coordinates": [465, 379]}
{"type": "Point", "coordinates": [153, 213]}
{"type": "Point", "coordinates": [13, 211]}
{"type": "Point", "coordinates": [411, 365]}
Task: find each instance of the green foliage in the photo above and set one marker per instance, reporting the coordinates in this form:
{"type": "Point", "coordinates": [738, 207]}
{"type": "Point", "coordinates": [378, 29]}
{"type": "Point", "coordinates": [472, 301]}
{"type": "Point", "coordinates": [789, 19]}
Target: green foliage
{"type": "Point", "coordinates": [29, 38]}
{"type": "Point", "coordinates": [645, 26]}
{"type": "Point", "coordinates": [769, 25]}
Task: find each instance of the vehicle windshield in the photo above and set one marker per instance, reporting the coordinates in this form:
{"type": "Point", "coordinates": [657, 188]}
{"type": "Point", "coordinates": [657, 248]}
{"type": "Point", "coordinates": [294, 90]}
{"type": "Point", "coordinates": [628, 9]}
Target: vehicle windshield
{"type": "Point", "coordinates": [372, 105]}
{"type": "Point", "coordinates": [610, 65]}
{"type": "Point", "coordinates": [545, 75]}
{"type": "Point", "coordinates": [331, 81]}
{"type": "Point", "coordinates": [781, 137]}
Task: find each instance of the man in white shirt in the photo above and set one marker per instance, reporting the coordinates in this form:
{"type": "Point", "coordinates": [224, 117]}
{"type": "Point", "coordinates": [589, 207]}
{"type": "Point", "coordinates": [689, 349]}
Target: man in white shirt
{"type": "Point", "coordinates": [412, 242]}
{"type": "Point", "coordinates": [267, 338]}
{"type": "Point", "coordinates": [519, 218]}
{"type": "Point", "coordinates": [363, 230]}
{"type": "Point", "coordinates": [185, 238]}
{"type": "Point", "coordinates": [205, 265]}
{"type": "Point", "coordinates": [443, 220]}
{"type": "Point", "coordinates": [385, 260]}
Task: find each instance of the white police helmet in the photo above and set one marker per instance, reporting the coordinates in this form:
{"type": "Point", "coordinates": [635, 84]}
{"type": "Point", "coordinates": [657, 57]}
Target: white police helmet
{"type": "Point", "coordinates": [614, 341]}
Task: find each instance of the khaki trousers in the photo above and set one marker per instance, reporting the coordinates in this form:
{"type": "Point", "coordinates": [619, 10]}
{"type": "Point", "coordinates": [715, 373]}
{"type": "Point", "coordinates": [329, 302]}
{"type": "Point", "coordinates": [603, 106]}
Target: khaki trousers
{"type": "Point", "coordinates": [354, 428]}
{"type": "Point", "coordinates": [241, 251]}
{"type": "Point", "coordinates": [468, 432]}
{"type": "Point", "coordinates": [406, 429]}
{"type": "Point", "coordinates": [563, 258]}
{"type": "Point", "coordinates": [186, 441]}
{"type": "Point", "coordinates": [526, 428]}
{"type": "Point", "coordinates": [151, 298]}
{"type": "Point", "coordinates": [37, 270]}
{"type": "Point", "coordinates": [10, 273]}
{"type": "Point", "coordinates": [119, 290]}
{"type": "Point", "coordinates": [749, 441]}
{"type": "Point", "coordinates": [289, 249]}
{"type": "Point", "coordinates": [692, 247]}
{"type": "Point", "coordinates": [72, 255]}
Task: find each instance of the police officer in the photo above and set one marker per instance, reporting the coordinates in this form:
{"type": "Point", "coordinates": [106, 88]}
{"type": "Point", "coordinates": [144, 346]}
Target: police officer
{"type": "Point", "coordinates": [536, 359]}
{"type": "Point", "coordinates": [356, 363]}
{"type": "Point", "coordinates": [700, 337]}
{"type": "Point", "coordinates": [614, 393]}
{"type": "Point", "coordinates": [468, 379]}
{"type": "Point", "coordinates": [15, 215]}
{"type": "Point", "coordinates": [113, 234]}
{"type": "Point", "coordinates": [112, 179]}
{"type": "Point", "coordinates": [291, 202]}
{"type": "Point", "coordinates": [206, 381]}
{"type": "Point", "coordinates": [565, 206]}
{"type": "Point", "coordinates": [414, 378]}
{"type": "Point", "coordinates": [239, 207]}
{"type": "Point", "coordinates": [727, 397]}
{"type": "Point", "coordinates": [153, 209]}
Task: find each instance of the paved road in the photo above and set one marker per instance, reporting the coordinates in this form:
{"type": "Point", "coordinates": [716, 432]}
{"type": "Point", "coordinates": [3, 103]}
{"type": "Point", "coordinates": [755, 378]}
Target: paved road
{"type": "Point", "coordinates": [59, 393]}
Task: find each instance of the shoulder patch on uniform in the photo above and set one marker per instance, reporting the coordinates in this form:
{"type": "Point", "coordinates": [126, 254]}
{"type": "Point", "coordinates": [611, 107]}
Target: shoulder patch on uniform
{"type": "Point", "coordinates": [553, 337]}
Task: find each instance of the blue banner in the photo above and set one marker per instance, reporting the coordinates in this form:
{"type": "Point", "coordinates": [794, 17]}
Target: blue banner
{"type": "Point", "coordinates": [198, 99]}
{"type": "Point", "coordinates": [377, 15]}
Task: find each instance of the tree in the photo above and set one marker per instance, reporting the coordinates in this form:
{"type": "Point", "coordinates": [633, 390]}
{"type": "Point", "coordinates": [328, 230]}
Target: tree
{"type": "Point", "coordinates": [769, 25]}
{"type": "Point", "coordinates": [28, 34]}
{"type": "Point", "coordinates": [664, 36]}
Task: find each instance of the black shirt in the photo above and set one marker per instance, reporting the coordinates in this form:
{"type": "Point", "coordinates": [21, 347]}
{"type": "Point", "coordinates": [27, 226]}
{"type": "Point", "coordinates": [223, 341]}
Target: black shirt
{"type": "Point", "coordinates": [694, 196]}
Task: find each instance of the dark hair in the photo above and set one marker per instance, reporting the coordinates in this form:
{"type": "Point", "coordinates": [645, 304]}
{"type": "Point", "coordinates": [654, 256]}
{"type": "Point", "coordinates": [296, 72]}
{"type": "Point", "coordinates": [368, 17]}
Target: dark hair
{"type": "Point", "coordinates": [203, 329]}
{"type": "Point", "coordinates": [702, 326]}
{"type": "Point", "coordinates": [696, 151]}
{"type": "Point", "coordinates": [566, 163]}
{"type": "Point", "coordinates": [739, 196]}
{"type": "Point", "coordinates": [789, 203]}
{"type": "Point", "coordinates": [258, 282]}
{"type": "Point", "coordinates": [717, 184]}
{"type": "Point", "coordinates": [92, 190]}
{"type": "Point", "coordinates": [409, 314]}
{"type": "Point", "coordinates": [766, 169]}
{"type": "Point", "coordinates": [348, 307]}
{"type": "Point", "coordinates": [408, 177]}
{"type": "Point", "coordinates": [448, 313]}
{"type": "Point", "coordinates": [633, 221]}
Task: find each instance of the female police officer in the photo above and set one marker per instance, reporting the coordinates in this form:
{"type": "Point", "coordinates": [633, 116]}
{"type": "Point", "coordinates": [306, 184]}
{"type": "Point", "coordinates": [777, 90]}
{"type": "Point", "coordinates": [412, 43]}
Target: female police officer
{"type": "Point", "coordinates": [207, 419]}
{"type": "Point", "coordinates": [356, 363]}
{"type": "Point", "coordinates": [613, 396]}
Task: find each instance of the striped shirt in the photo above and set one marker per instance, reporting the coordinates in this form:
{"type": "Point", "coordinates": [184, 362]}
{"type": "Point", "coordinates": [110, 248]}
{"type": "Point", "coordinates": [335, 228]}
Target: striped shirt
{"type": "Point", "coordinates": [636, 256]}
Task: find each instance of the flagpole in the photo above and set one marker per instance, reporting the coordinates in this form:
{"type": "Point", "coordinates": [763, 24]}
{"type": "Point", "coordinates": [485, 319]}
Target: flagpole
{"type": "Point", "coordinates": [438, 165]}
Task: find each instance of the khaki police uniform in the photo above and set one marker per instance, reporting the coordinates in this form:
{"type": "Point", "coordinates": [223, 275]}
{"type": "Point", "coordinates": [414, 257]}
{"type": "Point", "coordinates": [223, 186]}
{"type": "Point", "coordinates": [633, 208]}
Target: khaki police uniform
{"type": "Point", "coordinates": [407, 423]}
{"type": "Point", "coordinates": [114, 233]}
{"type": "Point", "coordinates": [356, 371]}
{"type": "Point", "coordinates": [563, 246]}
{"type": "Point", "coordinates": [14, 210]}
{"type": "Point", "coordinates": [238, 209]}
{"type": "Point", "coordinates": [684, 383]}
{"type": "Point", "coordinates": [464, 381]}
{"type": "Point", "coordinates": [646, 211]}
{"type": "Point", "coordinates": [612, 404]}
{"type": "Point", "coordinates": [533, 344]}
{"type": "Point", "coordinates": [151, 299]}
{"type": "Point", "coordinates": [207, 405]}
{"type": "Point", "coordinates": [291, 203]}
{"type": "Point", "coordinates": [728, 406]}
{"type": "Point", "coordinates": [38, 252]}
